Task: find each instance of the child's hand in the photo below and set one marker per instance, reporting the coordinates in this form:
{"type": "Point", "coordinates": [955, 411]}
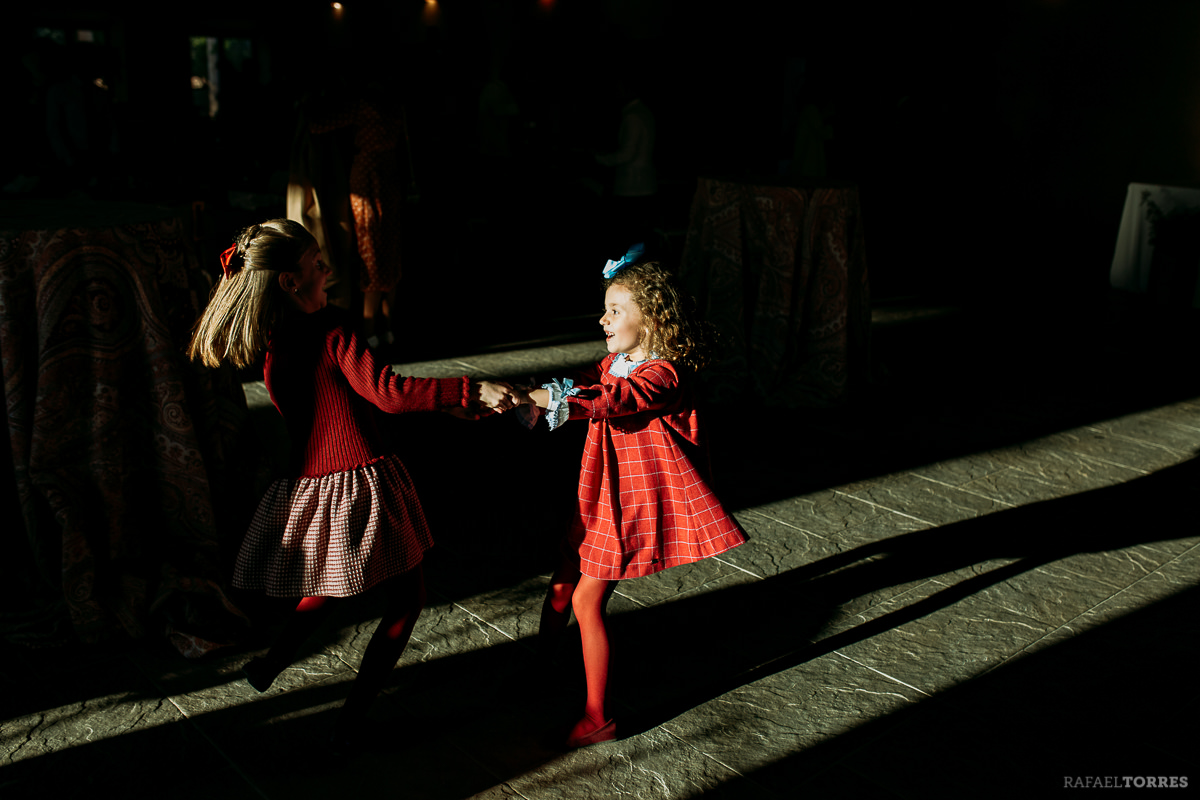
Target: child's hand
{"type": "Point", "coordinates": [533, 395]}
{"type": "Point", "coordinates": [496, 395]}
{"type": "Point", "coordinates": [524, 395]}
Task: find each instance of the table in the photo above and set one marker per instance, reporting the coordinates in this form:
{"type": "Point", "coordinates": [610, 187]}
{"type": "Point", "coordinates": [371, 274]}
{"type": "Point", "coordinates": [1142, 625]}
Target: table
{"type": "Point", "coordinates": [780, 269]}
{"type": "Point", "coordinates": [1158, 244]}
{"type": "Point", "coordinates": [118, 444]}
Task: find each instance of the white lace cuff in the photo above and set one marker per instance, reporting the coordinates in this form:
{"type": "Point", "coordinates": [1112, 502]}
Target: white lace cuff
{"type": "Point", "coordinates": [558, 410]}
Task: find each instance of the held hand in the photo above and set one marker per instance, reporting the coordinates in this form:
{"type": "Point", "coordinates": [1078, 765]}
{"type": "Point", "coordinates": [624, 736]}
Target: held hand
{"type": "Point", "coordinates": [524, 395]}
{"type": "Point", "coordinates": [494, 394]}
{"type": "Point", "coordinates": [532, 396]}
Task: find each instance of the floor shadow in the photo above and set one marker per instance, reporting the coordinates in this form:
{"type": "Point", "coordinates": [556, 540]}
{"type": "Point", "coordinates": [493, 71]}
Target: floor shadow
{"type": "Point", "coordinates": [1115, 702]}
{"type": "Point", "coordinates": [781, 620]}
{"type": "Point", "coordinates": [501, 699]}
{"type": "Point", "coordinates": [451, 726]}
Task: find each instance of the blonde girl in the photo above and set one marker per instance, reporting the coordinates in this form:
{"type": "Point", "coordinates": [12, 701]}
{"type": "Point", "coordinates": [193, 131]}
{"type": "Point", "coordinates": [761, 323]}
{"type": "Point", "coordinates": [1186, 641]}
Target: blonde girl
{"type": "Point", "coordinates": [347, 517]}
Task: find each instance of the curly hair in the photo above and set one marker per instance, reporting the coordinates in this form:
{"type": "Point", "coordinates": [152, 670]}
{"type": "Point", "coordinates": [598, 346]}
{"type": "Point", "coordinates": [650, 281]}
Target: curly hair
{"type": "Point", "coordinates": [243, 307]}
{"type": "Point", "coordinates": [673, 332]}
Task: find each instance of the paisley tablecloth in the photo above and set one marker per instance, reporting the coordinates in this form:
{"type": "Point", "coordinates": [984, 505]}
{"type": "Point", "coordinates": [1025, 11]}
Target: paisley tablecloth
{"type": "Point", "coordinates": [118, 444]}
{"type": "Point", "coordinates": [781, 271]}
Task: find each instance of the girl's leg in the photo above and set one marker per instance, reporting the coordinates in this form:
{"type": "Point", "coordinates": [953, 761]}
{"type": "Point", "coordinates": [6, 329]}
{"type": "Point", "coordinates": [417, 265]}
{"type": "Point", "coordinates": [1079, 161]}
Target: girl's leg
{"type": "Point", "coordinates": [405, 598]}
{"type": "Point", "coordinates": [556, 608]}
{"type": "Point", "coordinates": [304, 619]}
{"type": "Point", "coordinates": [590, 600]}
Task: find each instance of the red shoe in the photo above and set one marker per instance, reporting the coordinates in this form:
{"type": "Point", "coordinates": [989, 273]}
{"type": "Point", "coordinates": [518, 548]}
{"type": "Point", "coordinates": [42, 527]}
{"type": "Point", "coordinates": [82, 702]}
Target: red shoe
{"type": "Point", "coordinates": [605, 733]}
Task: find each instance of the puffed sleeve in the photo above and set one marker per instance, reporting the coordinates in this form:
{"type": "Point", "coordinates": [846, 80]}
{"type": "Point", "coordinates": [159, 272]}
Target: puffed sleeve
{"type": "Point", "coordinates": [376, 381]}
{"type": "Point", "coordinates": [652, 387]}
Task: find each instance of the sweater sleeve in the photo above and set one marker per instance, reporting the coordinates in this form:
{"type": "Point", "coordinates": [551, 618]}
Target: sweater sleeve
{"type": "Point", "coordinates": [651, 388]}
{"type": "Point", "coordinates": [391, 393]}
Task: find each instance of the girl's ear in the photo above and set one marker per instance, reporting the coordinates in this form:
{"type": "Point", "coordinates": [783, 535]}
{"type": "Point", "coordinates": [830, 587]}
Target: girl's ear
{"type": "Point", "coordinates": [286, 281]}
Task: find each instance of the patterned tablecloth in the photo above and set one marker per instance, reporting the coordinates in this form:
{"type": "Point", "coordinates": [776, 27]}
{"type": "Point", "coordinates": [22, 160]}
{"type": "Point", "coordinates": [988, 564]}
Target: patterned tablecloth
{"type": "Point", "coordinates": [118, 444]}
{"type": "Point", "coordinates": [781, 271]}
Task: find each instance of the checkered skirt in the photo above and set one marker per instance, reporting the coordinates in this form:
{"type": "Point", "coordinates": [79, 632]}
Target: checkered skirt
{"type": "Point", "coordinates": [336, 535]}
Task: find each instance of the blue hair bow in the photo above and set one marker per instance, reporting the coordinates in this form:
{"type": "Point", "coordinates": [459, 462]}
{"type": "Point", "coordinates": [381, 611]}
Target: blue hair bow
{"type": "Point", "coordinates": [631, 255]}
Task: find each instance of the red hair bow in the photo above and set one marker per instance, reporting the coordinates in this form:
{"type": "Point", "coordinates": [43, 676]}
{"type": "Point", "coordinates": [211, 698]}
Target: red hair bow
{"type": "Point", "coordinates": [226, 257]}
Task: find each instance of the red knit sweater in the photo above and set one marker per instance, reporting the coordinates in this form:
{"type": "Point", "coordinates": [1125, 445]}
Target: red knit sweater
{"type": "Point", "coordinates": [327, 385]}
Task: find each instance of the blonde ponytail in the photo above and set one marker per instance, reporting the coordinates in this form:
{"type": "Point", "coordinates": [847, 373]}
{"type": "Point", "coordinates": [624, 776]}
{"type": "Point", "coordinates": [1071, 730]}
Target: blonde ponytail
{"type": "Point", "coordinates": [246, 303]}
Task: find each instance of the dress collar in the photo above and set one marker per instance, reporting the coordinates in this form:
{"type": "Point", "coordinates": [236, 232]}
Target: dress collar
{"type": "Point", "coordinates": [623, 367]}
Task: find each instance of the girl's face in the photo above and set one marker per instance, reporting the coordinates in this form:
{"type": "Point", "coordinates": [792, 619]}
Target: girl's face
{"type": "Point", "coordinates": [306, 286]}
{"type": "Point", "coordinates": [622, 323]}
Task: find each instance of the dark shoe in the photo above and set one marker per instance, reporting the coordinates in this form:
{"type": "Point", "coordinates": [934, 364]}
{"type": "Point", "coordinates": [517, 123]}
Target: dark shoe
{"type": "Point", "coordinates": [605, 733]}
{"type": "Point", "coordinates": [261, 673]}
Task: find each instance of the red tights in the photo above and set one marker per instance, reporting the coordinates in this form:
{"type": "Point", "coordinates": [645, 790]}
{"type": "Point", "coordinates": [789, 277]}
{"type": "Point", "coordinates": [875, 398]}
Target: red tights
{"type": "Point", "coordinates": [589, 598]}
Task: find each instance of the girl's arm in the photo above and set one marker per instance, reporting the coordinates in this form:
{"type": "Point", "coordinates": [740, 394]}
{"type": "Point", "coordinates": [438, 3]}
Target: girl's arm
{"type": "Point", "coordinates": [495, 395]}
{"type": "Point", "coordinates": [586, 376]}
{"type": "Point", "coordinates": [651, 388]}
{"type": "Point", "coordinates": [391, 393]}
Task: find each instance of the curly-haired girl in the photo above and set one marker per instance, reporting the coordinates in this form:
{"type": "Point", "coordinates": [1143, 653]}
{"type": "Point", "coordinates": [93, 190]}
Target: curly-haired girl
{"type": "Point", "coordinates": [644, 500]}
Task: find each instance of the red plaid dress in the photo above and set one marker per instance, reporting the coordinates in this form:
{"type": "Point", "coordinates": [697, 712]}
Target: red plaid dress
{"type": "Point", "coordinates": [349, 517]}
{"type": "Point", "coordinates": [644, 500]}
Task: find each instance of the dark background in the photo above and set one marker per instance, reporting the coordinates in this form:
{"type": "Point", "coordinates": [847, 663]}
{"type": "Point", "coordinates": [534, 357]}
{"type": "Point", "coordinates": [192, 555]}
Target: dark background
{"type": "Point", "coordinates": [992, 143]}
{"type": "Point", "coordinates": [992, 148]}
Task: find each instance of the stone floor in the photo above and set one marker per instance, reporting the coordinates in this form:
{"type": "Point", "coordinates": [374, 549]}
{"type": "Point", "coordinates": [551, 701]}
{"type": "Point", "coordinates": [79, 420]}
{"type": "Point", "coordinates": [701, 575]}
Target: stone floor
{"type": "Point", "coordinates": [978, 580]}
